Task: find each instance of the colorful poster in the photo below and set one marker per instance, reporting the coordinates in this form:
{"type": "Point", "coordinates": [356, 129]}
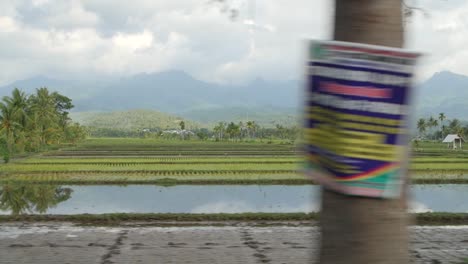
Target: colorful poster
{"type": "Point", "coordinates": [356, 127]}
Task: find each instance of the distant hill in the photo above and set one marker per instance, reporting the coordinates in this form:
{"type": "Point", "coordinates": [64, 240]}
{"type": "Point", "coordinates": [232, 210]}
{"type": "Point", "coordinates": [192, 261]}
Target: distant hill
{"type": "Point", "coordinates": [76, 89]}
{"type": "Point", "coordinates": [132, 120]}
{"type": "Point", "coordinates": [178, 93]}
{"type": "Point", "coordinates": [264, 116]}
{"type": "Point", "coordinates": [445, 92]}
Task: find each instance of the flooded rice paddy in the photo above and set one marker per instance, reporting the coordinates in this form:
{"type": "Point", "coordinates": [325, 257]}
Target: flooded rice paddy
{"type": "Point", "coordinates": [98, 199]}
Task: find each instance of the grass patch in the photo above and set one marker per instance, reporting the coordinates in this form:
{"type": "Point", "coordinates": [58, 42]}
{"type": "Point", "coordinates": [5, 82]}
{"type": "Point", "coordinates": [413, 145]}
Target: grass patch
{"type": "Point", "coordinates": [121, 217]}
{"type": "Point", "coordinates": [221, 167]}
{"type": "Point", "coordinates": [440, 166]}
{"type": "Point", "coordinates": [118, 218]}
{"type": "Point", "coordinates": [159, 177]}
{"type": "Point", "coordinates": [442, 218]}
{"type": "Point", "coordinates": [160, 160]}
{"type": "Point", "coordinates": [142, 178]}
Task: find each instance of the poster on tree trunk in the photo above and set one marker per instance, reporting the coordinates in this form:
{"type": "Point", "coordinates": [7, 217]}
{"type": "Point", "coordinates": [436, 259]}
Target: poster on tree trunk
{"type": "Point", "coordinates": [356, 118]}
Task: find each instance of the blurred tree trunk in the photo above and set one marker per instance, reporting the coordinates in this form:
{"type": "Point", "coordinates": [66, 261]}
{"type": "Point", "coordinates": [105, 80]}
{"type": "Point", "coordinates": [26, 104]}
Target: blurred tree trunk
{"type": "Point", "coordinates": [354, 229]}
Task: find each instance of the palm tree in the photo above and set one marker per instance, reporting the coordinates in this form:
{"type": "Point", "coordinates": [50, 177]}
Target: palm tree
{"type": "Point", "coordinates": [354, 229]}
{"type": "Point", "coordinates": [242, 129]}
{"type": "Point", "coordinates": [422, 125]}
{"type": "Point", "coordinates": [432, 122]}
{"type": "Point", "coordinates": [44, 112]}
{"type": "Point", "coordinates": [442, 117]}
{"type": "Point", "coordinates": [30, 122]}
{"type": "Point", "coordinates": [255, 128]}
{"type": "Point", "coordinates": [233, 130]}
{"type": "Point", "coordinates": [19, 102]}
{"type": "Point", "coordinates": [435, 123]}
{"type": "Point", "coordinates": [251, 127]}
{"type": "Point", "coordinates": [455, 126]}
{"type": "Point", "coordinates": [8, 125]}
{"type": "Point", "coordinates": [444, 130]}
{"type": "Point", "coordinates": [219, 130]}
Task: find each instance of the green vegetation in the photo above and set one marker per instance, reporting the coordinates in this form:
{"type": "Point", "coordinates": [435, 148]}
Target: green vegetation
{"type": "Point", "coordinates": [163, 162]}
{"type": "Point", "coordinates": [442, 218]}
{"type": "Point", "coordinates": [106, 219]}
{"type": "Point", "coordinates": [211, 219]}
{"type": "Point", "coordinates": [139, 143]}
{"type": "Point", "coordinates": [149, 178]}
{"type": "Point", "coordinates": [30, 123]}
{"type": "Point", "coordinates": [132, 123]}
{"type": "Point", "coordinates": [436, 128]}
{"type": "Point", "coordinates": [222, 168]}
{"type": "Point", "coordinates": [434, 163]}
{"type": "Point", "coordinates": [263, 115]}
{"type": "Point", "coordinates": [241, 152]}
{"type": "Point", "coordinates": [156, 161]}
{"type": "Point", "coordinates": [4, 153]}
{"type": "Point", "coordinates": [154, 124]}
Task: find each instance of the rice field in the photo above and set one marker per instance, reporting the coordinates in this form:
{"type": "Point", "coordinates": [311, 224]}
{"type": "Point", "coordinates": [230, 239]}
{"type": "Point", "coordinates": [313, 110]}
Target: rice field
{"type": "Point", "coordinates": [141, 161]}
{"type": "Point", "coordinates": [150, 178]}
{"type": "Point", "coordinates": [148, 161]}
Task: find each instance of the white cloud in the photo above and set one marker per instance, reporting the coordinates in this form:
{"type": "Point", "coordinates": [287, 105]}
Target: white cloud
{"type": "Point", "coordinates": [7, 25]}
{"type": "Point", "coordinates": [39, 2]}
{"type": "Point", "coordinates": [70, 38]}
{"type": "Point", "coordinates": [73, 38]}
{"type": "Point", "coordinates": [72, 15]}
{"type": "Point", "coordinates": [442, 37]}
{"type": "Point", "coordinates": [132, 42]}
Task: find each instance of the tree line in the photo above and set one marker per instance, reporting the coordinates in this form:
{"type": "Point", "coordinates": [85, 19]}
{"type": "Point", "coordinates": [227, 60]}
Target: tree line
{"type": "Point", "coordinates": [221, 131]}
{"type": "Point", "coordinates": [32, 122]}
{"type": "Point", "coordinates": [436, 128]}
{"type": "Point", "coordinates": [227, 131]}
{"type": "Point", "coordinates": [252, 130]}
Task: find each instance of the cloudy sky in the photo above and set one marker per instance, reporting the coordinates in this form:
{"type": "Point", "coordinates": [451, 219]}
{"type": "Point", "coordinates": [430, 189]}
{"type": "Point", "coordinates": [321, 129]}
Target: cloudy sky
{"type": "Point", "coordinates": [76, 39]}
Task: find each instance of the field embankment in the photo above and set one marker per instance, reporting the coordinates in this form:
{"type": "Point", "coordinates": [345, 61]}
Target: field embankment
{"type": "Point", "coordinates": [161, 219]}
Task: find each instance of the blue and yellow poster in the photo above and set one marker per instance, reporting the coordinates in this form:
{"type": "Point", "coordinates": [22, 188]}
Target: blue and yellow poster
{"type": "Point", "coordinates": [356, 120]}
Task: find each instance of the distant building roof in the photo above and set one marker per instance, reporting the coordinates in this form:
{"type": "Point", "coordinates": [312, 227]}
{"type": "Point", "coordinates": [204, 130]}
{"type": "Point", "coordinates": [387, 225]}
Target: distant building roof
{"type": "Point", "coordinates": [178, 132]}
{"type": "Point", "coordinates": [452, 137]}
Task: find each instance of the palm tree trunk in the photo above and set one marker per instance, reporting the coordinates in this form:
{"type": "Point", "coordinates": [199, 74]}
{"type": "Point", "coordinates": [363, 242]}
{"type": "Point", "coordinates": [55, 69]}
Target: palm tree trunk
{"type": "Point", "coordinates": [354, 229]}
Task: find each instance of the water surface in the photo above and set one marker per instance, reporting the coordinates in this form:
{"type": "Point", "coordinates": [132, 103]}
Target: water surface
{"type": "Point", "coordinates": [24, 199]}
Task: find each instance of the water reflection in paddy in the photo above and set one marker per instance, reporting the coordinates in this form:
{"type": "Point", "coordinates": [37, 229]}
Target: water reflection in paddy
{"type": "Point", "coordinates": [20, 199]}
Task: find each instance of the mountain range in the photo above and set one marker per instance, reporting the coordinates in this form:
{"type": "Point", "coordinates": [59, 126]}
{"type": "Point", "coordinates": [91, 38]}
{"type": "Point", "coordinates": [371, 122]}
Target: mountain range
{"type": "Point", "coordinates": [178, 93]}
{"type": "Point", "coordinates": [445, 92]}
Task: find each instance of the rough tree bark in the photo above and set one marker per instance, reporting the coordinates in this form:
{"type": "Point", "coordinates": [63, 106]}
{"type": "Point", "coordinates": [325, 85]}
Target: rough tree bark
{"type": "Point", "coordinates": [363, 230]}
